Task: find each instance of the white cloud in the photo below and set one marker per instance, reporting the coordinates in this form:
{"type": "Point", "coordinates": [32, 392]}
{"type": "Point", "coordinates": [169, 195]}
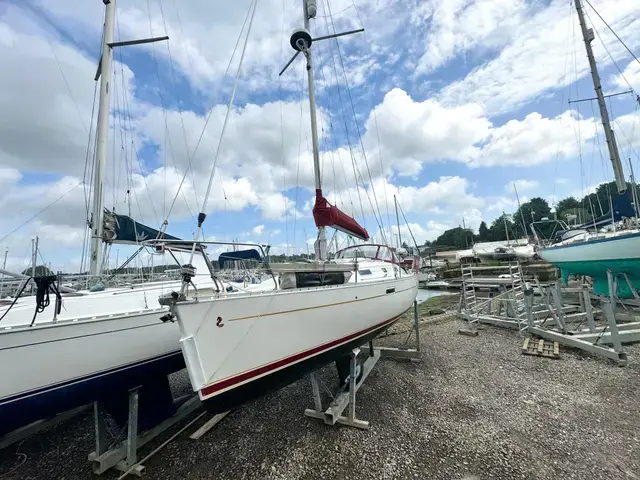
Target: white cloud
{"type": "Point", "coordinates": [522, 185]}
{"type": "Point", "coordinates": [448, 194]}
{"type": "Point", "coordinates": [412, 133]}
{"type": "Point", "coordinates": [537, 56]}
{"type": "Point", "coordinates": [459, 26]}
{"type": "Point", "coordinates": [630, 76]}
{"type": "Point", "coordinates": [258, 229]}
{"type": "Point", "coordinates": [533, 141]}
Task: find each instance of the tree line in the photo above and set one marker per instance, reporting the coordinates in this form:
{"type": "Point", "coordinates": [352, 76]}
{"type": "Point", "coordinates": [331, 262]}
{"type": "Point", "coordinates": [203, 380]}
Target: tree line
{"type": "Point", "coordinates": [517, 225]}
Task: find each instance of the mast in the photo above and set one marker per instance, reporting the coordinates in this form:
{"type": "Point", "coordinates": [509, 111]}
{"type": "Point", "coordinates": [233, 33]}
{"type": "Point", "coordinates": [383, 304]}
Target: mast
{"type": "Point", "coordinates": [506, 230]}
{"type": "Point", "coordinates": [309, 9]}
{"type": "Point", "coordinates": [102, 133]}
{"type": "Point", "coordinates": [588, 36]}
{"type": "Point", "coordinates": [324, 213]}
{"type": "Point", "coordinates": [395, 201]}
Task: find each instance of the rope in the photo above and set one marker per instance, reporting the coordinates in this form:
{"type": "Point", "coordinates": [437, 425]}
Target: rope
{"type": "Point", "coordinates": [22, 288]}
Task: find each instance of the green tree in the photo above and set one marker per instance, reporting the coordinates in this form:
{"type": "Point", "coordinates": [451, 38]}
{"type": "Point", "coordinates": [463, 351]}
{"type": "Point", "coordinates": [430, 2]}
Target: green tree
{"type": "Point", "coordinates": [483, 232]}
{"type": "Point", "coordinates": [499, 228]}
{"type": "Point", "coordinates": [455, 238]}
{"type": "Point", "coordinates": [534, 210]}
{"type": "Point", "coordinates": [569, 203]}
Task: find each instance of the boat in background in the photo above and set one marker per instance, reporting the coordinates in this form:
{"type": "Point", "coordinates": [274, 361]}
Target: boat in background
{"type": "Point", "coordinates": [93, 344]}
{"type": "Point", "coordinates": [587, 250]}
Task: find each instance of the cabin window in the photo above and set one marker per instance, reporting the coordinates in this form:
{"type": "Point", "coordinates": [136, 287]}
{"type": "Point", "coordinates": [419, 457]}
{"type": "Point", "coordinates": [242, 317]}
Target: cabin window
{"type": "Point", "coordinates": [360, 251]}
{"type": "Point", "coordinates": [385, 254]}
{"type": "Point", "coordinates": [384, 270]}
{"type": "Point", "coordinates": [365, 272]}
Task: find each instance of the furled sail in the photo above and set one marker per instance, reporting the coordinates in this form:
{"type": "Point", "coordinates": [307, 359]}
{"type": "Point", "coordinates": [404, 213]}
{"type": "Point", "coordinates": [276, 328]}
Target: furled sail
{"type": "Point", "coordinates": [121, 229]}
{"type": "Point", "coordinates": [327, 215]}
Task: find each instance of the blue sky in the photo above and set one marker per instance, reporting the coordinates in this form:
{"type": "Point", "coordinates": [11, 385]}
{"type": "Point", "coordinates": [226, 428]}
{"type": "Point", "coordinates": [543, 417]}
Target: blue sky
{"type": "Point", "coordinates": [454, 101]}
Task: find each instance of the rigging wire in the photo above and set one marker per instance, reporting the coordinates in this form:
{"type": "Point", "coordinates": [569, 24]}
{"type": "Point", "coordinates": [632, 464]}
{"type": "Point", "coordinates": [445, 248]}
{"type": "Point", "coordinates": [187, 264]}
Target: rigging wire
{"type": "Point", "coordinates": [634, 93]}
{"type": "Point", "coordinates": [295, 211]}
{"type": "Point", "coordinates": [229, 107]}
{"type": "Point", "coordinates": [282, 149]}
{"type": "Point", "coordinates": [210, 112]}
{"type": "Point", "coordinates": [563, 90]}
{"type": "Point", "coordinates": [346, 128]}
{"type": "Point", "coordinates": [576, 125]}
{"type": "Point", "coordinates": [344, 173]}
{"type": "Point", "coordinates": [179, 105]}
{"type": "Point", "coordinates": [330, 138]}
{"type": "Point", "coordinates": [612, 31]}
{"type": "Point", "coordinates": [609, 53]}
{"type": "Point", "coordinates": [377, 218]}
{"type": "Point", "coordinates": [375, 119]}
{"type": "Point", "coordinates": [88, 170]}
{"type": "Point", "coordinates": [40, 211]}
{"type": "Point", "coordinates": [599, 148]}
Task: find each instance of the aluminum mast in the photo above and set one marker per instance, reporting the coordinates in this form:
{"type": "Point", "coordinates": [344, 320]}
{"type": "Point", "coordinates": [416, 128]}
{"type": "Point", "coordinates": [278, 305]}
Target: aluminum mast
{"type": "Point", "coordinates": [588, 36]}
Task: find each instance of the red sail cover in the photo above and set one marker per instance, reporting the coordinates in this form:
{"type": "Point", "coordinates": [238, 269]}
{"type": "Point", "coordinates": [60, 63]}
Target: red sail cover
{"type": "Point", "coordinates": [327, 215]}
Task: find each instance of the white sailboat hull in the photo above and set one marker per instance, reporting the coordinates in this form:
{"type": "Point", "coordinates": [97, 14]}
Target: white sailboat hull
{"type": "Point", "coordinates": [100, 342]}
{"type": "Point", "coordinates": [231, 341]}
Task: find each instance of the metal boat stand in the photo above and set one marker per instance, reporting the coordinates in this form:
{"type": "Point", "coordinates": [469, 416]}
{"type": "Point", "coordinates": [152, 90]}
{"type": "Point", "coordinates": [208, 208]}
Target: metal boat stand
{"type": "Point", "coordinates": [569, 319]}
{"type": "Point", "coordinates": [334, 412]}
{"type": "Point", "coordinates": [124, 455]}
{"type": "Point", "coordinates": [617, 326]}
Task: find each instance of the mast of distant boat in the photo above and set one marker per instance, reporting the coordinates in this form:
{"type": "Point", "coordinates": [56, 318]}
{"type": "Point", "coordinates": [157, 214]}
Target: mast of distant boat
{"type": "Point", "coordinates": [395, 201]}
{"type": "Point", "coordinates": [102, 132]}
{"type": "Point", "coordinates": [588, 36]}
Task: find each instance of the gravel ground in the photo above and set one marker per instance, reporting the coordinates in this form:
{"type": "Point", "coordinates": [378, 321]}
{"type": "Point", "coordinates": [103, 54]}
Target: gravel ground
{"type": "Point", "coordinates": [474, 408]}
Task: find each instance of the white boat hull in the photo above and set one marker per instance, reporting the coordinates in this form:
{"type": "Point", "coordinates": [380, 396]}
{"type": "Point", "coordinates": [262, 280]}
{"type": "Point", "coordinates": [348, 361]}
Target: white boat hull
{"type": "Point", "coordinates": [99, 343]}
{"type": "Point", "coordinates": [232, 341]}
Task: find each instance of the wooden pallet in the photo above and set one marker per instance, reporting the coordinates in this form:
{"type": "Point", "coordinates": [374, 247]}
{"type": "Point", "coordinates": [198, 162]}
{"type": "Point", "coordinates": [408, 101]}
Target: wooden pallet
{"type": "Point", "coordinates": [541, 348]}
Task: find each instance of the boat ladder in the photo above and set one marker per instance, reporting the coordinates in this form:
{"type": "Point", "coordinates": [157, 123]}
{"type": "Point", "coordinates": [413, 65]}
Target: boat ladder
{"type": "Point", "coordinates": [469, 293]}
{"type": "Point", "coordinates": [518, 306]}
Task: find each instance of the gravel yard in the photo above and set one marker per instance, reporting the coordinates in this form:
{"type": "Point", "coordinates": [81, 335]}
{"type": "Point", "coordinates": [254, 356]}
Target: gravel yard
{"type": "Point", "coordinates": [474, 408]}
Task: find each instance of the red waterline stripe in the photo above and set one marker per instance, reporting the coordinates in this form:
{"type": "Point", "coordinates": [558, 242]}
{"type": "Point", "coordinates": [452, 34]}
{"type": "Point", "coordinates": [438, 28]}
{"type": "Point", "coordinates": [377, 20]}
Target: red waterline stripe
{"type": "Point", "coordinates": [210, 389]}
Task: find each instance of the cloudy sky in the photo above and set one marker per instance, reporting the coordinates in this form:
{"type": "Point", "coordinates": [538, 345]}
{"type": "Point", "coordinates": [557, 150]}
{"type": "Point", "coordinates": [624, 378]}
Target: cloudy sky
{"type": "Point", "coordinates": [444, 104]}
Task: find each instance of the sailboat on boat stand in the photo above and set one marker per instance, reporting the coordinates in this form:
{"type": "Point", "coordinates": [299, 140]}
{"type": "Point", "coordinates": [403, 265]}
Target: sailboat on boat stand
{"type": "Point", "coordinates": [99, 343]}
{"type": "Point", "coordinates": [587, 252]}
{"type": "Point", "coordinates": [240, 345]}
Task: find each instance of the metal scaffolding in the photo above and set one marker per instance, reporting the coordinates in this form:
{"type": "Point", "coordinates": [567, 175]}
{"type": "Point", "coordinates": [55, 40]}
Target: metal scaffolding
{"type": "Point", "coordinates": [599, 325]}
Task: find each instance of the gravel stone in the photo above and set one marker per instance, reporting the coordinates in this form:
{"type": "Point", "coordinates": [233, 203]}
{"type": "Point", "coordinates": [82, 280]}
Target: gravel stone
{"type": "Point", "coordinates": [473, 409]}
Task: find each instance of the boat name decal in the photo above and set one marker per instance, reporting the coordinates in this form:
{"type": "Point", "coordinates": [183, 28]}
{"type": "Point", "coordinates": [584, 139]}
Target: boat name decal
{"type": "Point", "coordinates": [219, 322]}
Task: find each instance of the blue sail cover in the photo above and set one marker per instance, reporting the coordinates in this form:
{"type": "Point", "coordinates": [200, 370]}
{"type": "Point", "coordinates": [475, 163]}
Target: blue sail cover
{"type": "Point", "coordinates": [622, 208]}
{"type": "Point", "coordinates": [229, 257]}
{"type": "Point", "coordinates": [122, 229]}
